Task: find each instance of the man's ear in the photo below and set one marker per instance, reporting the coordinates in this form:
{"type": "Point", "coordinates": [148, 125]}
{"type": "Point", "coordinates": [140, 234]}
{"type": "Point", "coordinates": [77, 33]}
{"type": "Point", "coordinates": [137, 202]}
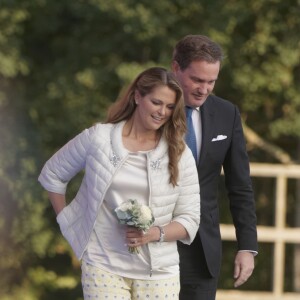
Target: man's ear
{"type": "Point", "coordinates": [175, 66]}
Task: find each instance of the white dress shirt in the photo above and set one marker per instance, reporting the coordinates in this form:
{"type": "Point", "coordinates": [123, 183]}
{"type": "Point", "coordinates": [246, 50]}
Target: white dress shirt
{"type": "Point", "coordinates": [196, 118]}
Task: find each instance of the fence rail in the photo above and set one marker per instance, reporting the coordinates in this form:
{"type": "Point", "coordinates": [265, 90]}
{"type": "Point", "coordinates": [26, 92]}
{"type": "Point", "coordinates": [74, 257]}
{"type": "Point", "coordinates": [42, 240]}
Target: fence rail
{"type": "Point", "coordinates": [278, 234]}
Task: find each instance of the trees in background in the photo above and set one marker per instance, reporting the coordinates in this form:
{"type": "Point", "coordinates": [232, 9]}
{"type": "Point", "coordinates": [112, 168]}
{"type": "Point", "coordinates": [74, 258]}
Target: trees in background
{"type": "Point", "coordinates": [63, 62]}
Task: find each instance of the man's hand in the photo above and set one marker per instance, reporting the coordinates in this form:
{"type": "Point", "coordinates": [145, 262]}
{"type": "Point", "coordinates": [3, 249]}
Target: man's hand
{"type": "Point", "coordinates": [243, 267]}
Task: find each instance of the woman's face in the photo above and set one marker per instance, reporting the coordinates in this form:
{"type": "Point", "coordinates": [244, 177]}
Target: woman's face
{"type": "Point", "coordinates": [155, 109]}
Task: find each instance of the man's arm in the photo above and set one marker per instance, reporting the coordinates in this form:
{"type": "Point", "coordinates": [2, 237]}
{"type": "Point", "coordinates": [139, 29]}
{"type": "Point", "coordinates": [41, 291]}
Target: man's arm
{"type": "Point", "coordinates": [242, 204]}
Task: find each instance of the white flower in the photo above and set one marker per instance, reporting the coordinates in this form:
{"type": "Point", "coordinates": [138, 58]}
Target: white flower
{"type": "Point", "coordinates": [146, 214]}
{"type": "Point", "coordinates": [125, 206]}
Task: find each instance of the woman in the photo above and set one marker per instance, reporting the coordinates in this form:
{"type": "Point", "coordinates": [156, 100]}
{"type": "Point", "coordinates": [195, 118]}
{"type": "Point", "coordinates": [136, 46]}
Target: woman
{"type": "Point", "coordinates": [138, 153]}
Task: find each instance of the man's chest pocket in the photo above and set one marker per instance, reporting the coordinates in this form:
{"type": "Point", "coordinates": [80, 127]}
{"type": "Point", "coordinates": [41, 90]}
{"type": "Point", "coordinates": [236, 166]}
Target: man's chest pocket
{"type": "Point", "coordinates": [217, 149]}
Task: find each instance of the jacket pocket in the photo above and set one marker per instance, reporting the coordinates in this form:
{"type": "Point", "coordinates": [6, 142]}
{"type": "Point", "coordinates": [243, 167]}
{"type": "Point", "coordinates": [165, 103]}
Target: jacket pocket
{"type": "Point", "coordinates": [214, 214]}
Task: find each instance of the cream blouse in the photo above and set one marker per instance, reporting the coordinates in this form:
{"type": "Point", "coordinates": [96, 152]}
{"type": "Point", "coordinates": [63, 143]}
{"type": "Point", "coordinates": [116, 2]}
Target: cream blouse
{"type": "Point", "coordinates": [108, 236]}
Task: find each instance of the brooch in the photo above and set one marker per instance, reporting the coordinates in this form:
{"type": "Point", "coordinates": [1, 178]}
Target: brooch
{"type": "Point", "coordinates": [115, 159]}
{"type": "Point", "coordinates": [155, 165]}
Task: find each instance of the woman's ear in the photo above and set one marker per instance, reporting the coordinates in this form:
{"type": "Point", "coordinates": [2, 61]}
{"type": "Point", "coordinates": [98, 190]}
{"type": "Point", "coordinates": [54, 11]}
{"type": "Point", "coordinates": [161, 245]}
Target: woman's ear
{"type": "Point", "coordinates": [137, 97]}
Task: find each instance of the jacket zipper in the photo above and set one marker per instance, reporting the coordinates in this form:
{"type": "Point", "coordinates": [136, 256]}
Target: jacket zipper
{"type": "Point", "coordinates": [149, 203]}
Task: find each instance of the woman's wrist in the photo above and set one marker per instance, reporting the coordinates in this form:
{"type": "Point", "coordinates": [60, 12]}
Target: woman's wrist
{"type": "Point", "coordinates": [155, 234]}
{"type": "Point", "coordinates": [161, 234]}
{"type": "Point", "coordinates": [158, 234]}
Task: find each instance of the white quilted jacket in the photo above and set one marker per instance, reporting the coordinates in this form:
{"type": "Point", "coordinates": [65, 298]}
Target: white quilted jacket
{"type": "Point", "coordinates": [100, 152]}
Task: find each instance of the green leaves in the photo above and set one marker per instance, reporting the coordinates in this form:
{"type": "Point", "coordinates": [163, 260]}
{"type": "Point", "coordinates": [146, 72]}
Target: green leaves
{"type": "Point", "coordinates": [12, 61]}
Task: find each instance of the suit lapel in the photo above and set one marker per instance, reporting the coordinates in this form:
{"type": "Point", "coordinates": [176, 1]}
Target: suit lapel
{"type": "Point", "coordinates": [207, 119]}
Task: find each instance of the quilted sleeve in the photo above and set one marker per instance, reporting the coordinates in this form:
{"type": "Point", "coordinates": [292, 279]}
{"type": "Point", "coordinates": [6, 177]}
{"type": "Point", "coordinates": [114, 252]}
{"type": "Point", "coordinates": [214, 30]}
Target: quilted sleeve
{"type": "Point", "coordinates": [187, 210]}
{"type": "Point", "coordinates": [66, 163]}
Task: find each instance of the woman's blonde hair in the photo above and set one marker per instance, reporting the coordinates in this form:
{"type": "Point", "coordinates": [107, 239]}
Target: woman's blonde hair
{"type": "Point", "coordinates": [174, 129]}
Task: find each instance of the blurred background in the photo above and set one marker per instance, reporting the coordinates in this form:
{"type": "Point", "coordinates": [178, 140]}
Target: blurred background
{"type": "Point", "coordinates": [63, 62]}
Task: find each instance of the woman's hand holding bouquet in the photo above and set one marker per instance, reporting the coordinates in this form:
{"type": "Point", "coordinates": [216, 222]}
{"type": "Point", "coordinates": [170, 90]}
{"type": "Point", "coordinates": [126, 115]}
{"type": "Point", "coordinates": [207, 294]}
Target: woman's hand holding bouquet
{"type": "Point", "coordinates": [136, 216]}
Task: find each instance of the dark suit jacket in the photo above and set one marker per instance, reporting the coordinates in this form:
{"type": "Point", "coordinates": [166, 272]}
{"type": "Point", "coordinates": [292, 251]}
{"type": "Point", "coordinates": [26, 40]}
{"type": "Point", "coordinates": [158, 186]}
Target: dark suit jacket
{"type": "Point", "coordinates": [221, 118]}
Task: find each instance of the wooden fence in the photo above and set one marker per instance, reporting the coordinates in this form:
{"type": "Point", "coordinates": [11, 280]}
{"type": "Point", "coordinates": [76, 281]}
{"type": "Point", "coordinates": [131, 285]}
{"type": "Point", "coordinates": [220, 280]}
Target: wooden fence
{"type": "Point", "coordinates": [279, 235]}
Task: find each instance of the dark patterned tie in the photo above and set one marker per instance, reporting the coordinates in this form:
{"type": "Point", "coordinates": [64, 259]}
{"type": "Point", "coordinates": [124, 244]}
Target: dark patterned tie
{"type": "Point", "coordinates": [190, 137]}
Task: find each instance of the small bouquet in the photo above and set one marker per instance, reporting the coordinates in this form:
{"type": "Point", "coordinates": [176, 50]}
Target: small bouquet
{"type": "Point", "coordinates": [132, 213]}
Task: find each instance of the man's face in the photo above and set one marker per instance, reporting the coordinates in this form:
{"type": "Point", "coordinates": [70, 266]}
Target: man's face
{"type": "Point", "coordinates": [197, 81]}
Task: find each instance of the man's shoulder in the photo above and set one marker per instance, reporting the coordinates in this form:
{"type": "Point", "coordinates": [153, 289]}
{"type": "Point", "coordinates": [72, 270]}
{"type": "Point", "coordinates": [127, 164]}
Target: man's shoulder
{"type": "Point", "coordinates": [216, 100]}
{"type": "Point", "coordinates": [217, 105]}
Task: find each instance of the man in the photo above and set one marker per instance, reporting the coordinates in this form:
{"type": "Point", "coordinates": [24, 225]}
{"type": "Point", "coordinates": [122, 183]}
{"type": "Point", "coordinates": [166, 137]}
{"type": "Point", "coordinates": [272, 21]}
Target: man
{"type": "Point", "coordinates": [220, 143]}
